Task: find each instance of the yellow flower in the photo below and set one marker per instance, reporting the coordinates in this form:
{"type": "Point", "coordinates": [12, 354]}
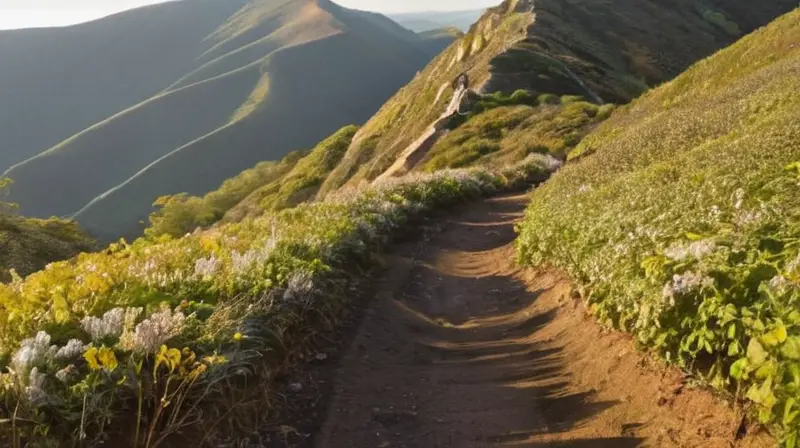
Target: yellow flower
{"type": "Point", "coordinates": [102, 358]}
{"type": "Point", "coordinates": [171, 357]}
{"type": "Point", "coordinates": [91, 357]}
{"type": "Point", "coordinates": [238, 337]}
{"type": "Point", "coordinates": [108, 359]}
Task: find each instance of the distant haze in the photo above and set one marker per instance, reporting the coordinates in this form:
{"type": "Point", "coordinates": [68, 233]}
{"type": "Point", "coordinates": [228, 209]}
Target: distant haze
{"type": "Point", "coordinates": [46, 13]}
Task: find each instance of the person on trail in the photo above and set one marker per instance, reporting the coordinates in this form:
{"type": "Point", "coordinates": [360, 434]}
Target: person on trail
{"type": "Point", "coordinates": [461, 82]}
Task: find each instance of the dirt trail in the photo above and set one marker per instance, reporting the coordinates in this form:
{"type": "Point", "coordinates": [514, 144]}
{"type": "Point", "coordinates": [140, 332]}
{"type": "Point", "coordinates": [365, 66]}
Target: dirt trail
{"type": "Point", "coordinates": [462, 349]}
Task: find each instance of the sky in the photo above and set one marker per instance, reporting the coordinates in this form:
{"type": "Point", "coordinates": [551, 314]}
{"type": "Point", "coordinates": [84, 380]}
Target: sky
{"type": "Point", "coordinates": [41, 13]}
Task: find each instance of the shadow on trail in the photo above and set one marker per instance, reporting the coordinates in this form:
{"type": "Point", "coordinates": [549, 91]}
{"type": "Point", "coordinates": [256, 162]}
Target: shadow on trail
{"type": "Point", "coordinates": [452, 355]}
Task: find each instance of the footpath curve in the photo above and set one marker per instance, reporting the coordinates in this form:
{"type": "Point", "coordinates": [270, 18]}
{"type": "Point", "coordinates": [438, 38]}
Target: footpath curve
{"type": "Point", "coordinates": [460, 348]}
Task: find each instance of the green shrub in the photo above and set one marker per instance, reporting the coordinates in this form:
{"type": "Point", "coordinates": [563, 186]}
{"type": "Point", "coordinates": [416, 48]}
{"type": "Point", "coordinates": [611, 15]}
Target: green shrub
{"type": "Point", "coordinates": [682, 221]}
{"type": "Point", "coordinates": [549, 98]}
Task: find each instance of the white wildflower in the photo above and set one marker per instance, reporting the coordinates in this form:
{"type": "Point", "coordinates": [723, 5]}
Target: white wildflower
{"type": "Point", "coordinates": [738, 197]}
{"type": "Point", "coordinates": [34, 391]}
{"type": "Point", "coordinates": [72, 350]}
{"type": "Point", "coordinates": [686, 283]}
{"type": "Point", "coordinates": [748, 218]}
{"type": "Point", "coordinates": [206, 268]}
{"type": "Point", "coordinates": [697, 250]}
{"type": "Point", "coordinates": [65, 375]}
{"type": "Point", "coordinates": [779, 284]}
{"type": "Point", "coordinates": [300, 287]}
{"type": "Point", "coordinates": [33, 352]}
{"type": "Point", "coordinates": [584, 188]}
{"type": "Point", "coordinates": [155, 331]}
{"type": "Point", "coordinates": [109, 326]}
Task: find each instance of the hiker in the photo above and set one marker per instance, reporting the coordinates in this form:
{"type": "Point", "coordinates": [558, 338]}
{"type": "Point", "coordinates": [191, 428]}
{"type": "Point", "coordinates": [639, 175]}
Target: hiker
{"type": "Point", "coordinates": [461, 82]}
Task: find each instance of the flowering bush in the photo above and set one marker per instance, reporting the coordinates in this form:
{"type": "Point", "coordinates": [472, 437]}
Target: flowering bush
{"type": "Point", "coordinates": [166, 327]}
{"type": "Point", "coordinates": [683, 225]}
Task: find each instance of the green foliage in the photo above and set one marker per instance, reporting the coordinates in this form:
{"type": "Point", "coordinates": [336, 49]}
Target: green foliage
{"type": "Point", "coordinates": [549, 98]}
{"type": "Point", "coordinates": [229, 295]}
{"type": "Point", "coordinates": [682, 221]}
{"type": "Point", "coordinates": [27, 245]}
{"type": "Point", "coordinates": [507, 134]}
{"type": "Point", "coordinates": [301, 183]}
{"type": "Point", "coordinates": [180, 214]}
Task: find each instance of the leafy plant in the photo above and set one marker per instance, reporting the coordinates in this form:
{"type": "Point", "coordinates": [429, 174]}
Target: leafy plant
{"type": "Point", "coordinates": [682, 221]}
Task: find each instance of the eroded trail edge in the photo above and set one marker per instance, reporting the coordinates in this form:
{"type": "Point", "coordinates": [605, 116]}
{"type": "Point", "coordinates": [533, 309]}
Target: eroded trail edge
{"type": "Point", "coordinates": [461, 348]}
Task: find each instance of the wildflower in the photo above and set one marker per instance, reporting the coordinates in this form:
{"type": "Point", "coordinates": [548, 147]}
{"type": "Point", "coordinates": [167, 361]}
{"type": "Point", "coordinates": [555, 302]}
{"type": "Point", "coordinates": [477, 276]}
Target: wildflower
{"type": "Point", "coordinates": [33, 352]}
{"type": "Point", "coordinates": [238, 336]}
{"type": "Point", "coordinates": [748, 218]}
{"type": "Point", "coordinates": [65, 375]}
{"type": "Point", "coordinates": [299, 287]}
{"type": "Point", "coordinates": [738, 197]}
{"type": "Point", "coordinates": [34, 391]}
{"type": "Point", "coordinates": [584, 189]}
{"type": "Point", "coordinates": [697, 250]}
{"type": "Point", "coordinates": [779, 285]}
{"type": "Point", "coordinates": [155, 331]}
{"type": "Point", "coordinates": [206, 268]}
{"type": "Point", "coordinates": [72, 350]}
{"type": "Point", "coordinates": [686, 283]}
{"type": "Point", "coordinates": [109, 326]}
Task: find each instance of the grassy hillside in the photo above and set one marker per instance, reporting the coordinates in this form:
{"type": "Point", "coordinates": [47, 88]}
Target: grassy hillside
{"type": "Point", "coordinates": [501, 134]}
{"type": "Point", "coordinates": [599, 50]}
{"type": "Point", "coordinates": [162, 341]}
{"type": "Point", "coordinates": [260, 72]}
{"type": "Point", "coordinates": [267, 187]}
{"type": "Point", "coordinates": [64, 80]}
{"type": "Point", "coordinates": [680, 217]}
{"type": "Point", "coordinates": [301, 183]}
{"type": "Point", "coordinates": [424, 21]}
{"type": "Point", "coordinates": [28, 245]}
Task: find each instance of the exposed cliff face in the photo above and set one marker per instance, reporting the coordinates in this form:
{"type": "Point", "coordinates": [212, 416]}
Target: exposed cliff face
{"type": "Point", "coordinates": [603, 51]}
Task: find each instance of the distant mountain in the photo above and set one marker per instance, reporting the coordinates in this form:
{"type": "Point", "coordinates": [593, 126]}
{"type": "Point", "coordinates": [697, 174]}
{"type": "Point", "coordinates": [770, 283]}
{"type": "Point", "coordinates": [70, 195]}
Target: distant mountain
{"type": "Point", "coordinates": [431, 20]}
{"type": "Point", "coordinates": [100, 119]}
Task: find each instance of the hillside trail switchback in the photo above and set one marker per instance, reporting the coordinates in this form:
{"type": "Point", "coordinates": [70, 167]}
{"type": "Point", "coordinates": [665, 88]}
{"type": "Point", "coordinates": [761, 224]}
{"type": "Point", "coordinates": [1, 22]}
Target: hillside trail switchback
{"type": "Point", "coordinates": [461, 348]}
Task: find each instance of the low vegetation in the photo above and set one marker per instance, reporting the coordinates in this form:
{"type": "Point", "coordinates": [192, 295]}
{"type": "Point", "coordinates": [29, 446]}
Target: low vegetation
{"type": "Point", "coordinates": [180, 214]}
{"type": "Point", "coordinates": [498, 133]}
{"type": "Point", "coordinates": [269, 186]}
{"type": "Point", "coordinates": [28, 245]}
{"type": "Point", "coordinates": [301, 183]}
{"type": "Point", "coordinates": [680, 219]}
{"type": "Point", "coordinates": [142, 341]}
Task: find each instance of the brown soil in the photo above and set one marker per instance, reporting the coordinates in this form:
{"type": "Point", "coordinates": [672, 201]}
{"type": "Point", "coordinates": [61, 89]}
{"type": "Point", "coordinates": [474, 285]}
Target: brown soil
{"type": "Point", "coordinates": [460, 348]}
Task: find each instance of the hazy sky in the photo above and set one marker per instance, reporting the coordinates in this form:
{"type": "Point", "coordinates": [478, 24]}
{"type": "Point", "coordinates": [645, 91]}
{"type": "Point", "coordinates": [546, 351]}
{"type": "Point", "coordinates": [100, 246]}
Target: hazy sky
{"type": "Point", "coordinates": [36, 13]}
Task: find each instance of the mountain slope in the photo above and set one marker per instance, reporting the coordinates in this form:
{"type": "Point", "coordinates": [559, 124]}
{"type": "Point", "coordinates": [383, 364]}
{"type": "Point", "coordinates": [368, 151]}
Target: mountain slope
{"type": "Point", "coordinates": [601, 51]}
{"type": "Point", "coordinates": [28, 245]}
{"type": "Point", "coordinates": [58, 82]}
{"type": "Point", "coordinates": [272, 77]}
{"type": "Point", "coordinates": [680, 216]}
